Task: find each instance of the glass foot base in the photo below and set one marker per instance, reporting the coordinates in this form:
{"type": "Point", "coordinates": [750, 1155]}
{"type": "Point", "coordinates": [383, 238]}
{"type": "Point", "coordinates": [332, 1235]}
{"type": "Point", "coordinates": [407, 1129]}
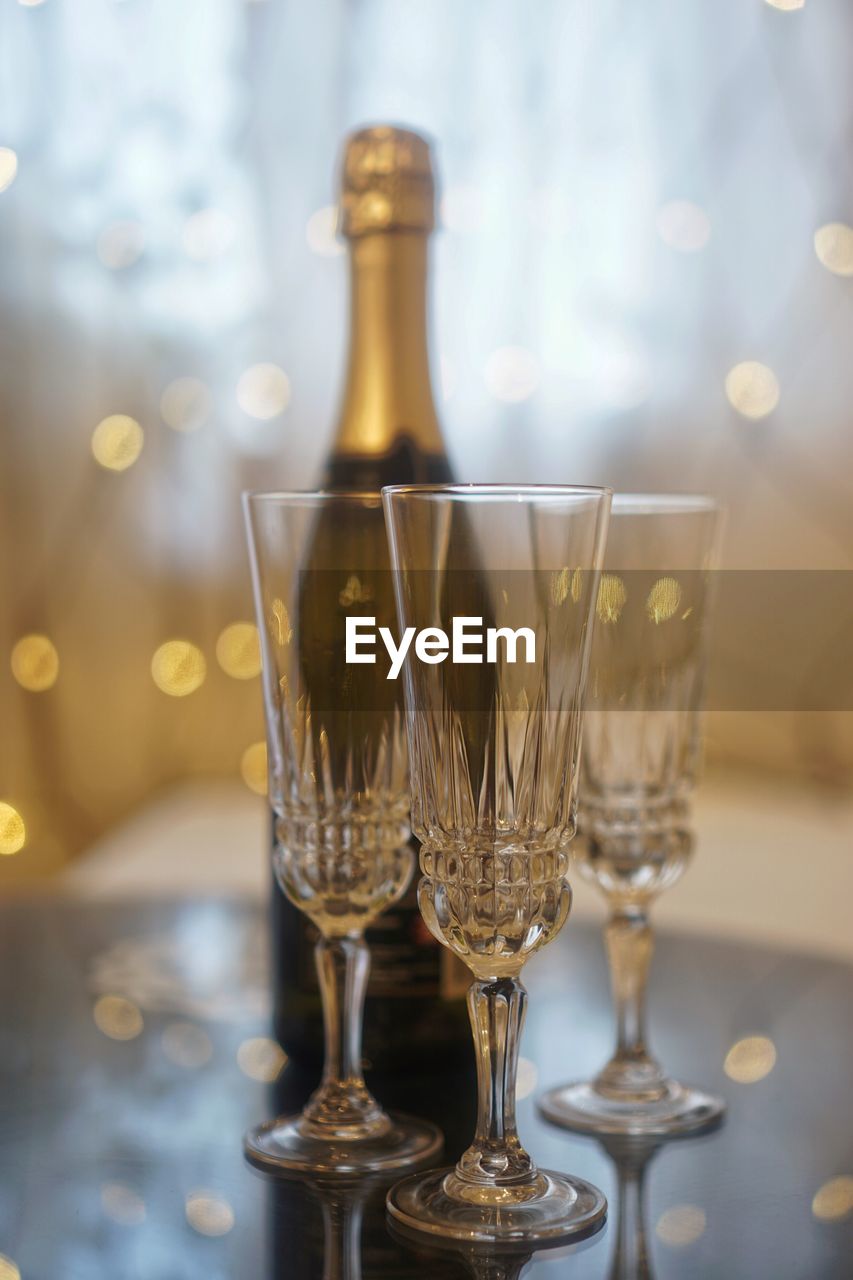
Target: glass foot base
{"type": "Point", "coordinates": [582, 1108]}
{"type": "Point", "coordinates": [283, 1145]}
{"type": "Point", "coordinates": [554, 1207]}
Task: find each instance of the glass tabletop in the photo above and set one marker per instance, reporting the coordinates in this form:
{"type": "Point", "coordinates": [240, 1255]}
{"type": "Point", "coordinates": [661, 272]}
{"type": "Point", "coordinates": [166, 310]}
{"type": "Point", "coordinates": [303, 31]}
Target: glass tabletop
{"type": "Point", "coordinates": [134, 1053]}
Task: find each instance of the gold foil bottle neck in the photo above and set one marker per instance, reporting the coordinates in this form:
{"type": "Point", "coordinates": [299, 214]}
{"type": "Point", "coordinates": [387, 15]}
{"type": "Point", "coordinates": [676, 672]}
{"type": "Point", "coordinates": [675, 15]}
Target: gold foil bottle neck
{"type": "Point", "coordinates": [387, 182]}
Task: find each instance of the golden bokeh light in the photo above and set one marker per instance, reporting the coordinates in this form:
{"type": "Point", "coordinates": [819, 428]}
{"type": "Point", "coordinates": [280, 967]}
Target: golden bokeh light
{"type": "Point", "coordinates": [263, 391]}
{"type": "Point", "coordinates": [279, 622]}
{"type": "Point", "coordinates": [13, 831]}
{"type": "Point", "coordinates": [663, 600]}
{"type": "Point", "coordinates": [122, 1204]}
{"type": "Point", "coordinates": [752, 389]}
{"type": "Point", "coordinates": [321, 232]}
{"type": "Point", "coordinates": [187, 1045]}
{"type": "Point", "coordinates": [35, 663]}
{"type": "Point", "coordinates": [185, 404]}
{"type": "Point", "coordinates": [787, 6]}
{"type": "Point", "coordinates": [120, 244]}
{"type": "Point", "coordinates": [207, 234]}
{"type": "Point", "coordinates": [526, 1079]}
{"type": "Point", "coordinates": [683, 226]}
{"type": "Point", "coordinates": [512, 374]}
{"type": "Point", "coordinates": [8, 167]}
{"type": "Point", "coordinates": [261, 1059]}
{"type": "Point", "coordinates": [238, 650]}
{"type": "Point", "coordinates": [117, 442]}
{"type": "Point", "coordinates": [680, 1226]}
{"type": "Point", "coordinates": [354, 592]}
{"type": "Point", "coordinates": [118, 1017]}
{"type": "Point", "coordinates": [209, 1213]}
{"type": "Point", "coordinates": [611, 597]}
{"type": "Point", "coordinates": [834, 1200]}
{"type": "Point", "coordinates": [253, 767]}
{"type": "Point", "coordinates": [833, 245]}
{"type": "Point", "coordinates": [8, 1269]}
{"type": "Point", "coordinates": [178, 668]}
{"type": "Point", "coordinates": [750, 1060]}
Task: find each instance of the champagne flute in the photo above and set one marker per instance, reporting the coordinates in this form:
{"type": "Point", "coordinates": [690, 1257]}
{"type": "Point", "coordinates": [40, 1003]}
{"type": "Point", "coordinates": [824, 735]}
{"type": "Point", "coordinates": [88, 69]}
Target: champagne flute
{"type": "Point", "coordinates": [338, 788]}
{"type": "Point", "coordinates": [640, 758]}
{"type": "Point", "coordinates": [494, 742]}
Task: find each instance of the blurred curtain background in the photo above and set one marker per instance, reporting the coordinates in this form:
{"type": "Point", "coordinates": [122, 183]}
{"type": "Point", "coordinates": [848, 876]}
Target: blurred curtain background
{"type": "Point", "coordinates": [644, 279]}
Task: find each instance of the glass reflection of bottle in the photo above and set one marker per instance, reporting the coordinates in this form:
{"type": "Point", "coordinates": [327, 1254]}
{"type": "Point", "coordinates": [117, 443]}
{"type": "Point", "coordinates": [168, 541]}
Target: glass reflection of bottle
{"type": "Point", "coordinates": [388, 432]}
{"type": "Point", "coordinates": [335, 1229]}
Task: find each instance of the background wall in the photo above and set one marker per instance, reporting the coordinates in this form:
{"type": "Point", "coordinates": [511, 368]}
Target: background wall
{"type": "Point", "coordinates": [644, 279]}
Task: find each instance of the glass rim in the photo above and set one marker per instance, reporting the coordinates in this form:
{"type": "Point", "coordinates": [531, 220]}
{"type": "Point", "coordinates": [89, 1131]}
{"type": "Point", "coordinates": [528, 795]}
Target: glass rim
{"type": "Point", "coordinates": [471, 489]}
{"type": "Point", "coordinates": [641, 504]}
{"type": "Point", "coordinates": [310, 495]}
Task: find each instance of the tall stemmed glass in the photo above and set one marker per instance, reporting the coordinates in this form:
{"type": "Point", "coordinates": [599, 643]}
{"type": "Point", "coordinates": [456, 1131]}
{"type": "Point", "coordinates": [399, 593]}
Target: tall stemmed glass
{"type": "Point", "coordinates": [640, 758]}
{"type": "Point", "coordinates": [494, 750]}
{"type": "Point", "coordinates": [338, 788]}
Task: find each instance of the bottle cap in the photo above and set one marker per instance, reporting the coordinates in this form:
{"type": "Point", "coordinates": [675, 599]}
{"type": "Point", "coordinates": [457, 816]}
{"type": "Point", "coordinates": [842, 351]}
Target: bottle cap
{"type": "Point", "coordinates": [386, 182]}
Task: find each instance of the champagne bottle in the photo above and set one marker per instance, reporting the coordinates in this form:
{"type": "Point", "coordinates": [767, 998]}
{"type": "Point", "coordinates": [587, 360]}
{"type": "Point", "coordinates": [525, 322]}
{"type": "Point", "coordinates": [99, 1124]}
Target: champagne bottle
{"type": "Point", "coordinates": [388, 433]}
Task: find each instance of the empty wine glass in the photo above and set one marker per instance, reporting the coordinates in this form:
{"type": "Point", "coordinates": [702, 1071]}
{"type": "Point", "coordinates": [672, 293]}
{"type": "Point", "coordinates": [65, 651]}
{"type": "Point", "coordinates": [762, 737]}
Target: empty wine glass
{"type": "Point", "coordinates": [338, 788]}
{"type": "Point", "coordinates": [494, 730]}
{"type": "Point", "coordinates": [640, 758]}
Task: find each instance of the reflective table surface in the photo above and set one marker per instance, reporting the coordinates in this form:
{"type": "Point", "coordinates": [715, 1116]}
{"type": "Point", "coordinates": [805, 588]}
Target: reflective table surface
{"type": "Point", "coordinates": [134, 1053]}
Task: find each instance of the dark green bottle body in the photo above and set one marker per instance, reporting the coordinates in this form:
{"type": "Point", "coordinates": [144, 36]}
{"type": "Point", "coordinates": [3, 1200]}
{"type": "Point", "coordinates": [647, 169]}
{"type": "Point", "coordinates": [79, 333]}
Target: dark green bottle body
{"type": "Point", "coordinates": [415, 1012]}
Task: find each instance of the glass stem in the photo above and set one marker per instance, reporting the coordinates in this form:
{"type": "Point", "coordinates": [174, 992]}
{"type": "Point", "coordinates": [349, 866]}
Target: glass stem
{"type": "Point", "coordinates": [630, 943]}
{"type": "Point", "coordinates": [496, 1009]}
{"type": "Point", "coordinates": [342, 1105]}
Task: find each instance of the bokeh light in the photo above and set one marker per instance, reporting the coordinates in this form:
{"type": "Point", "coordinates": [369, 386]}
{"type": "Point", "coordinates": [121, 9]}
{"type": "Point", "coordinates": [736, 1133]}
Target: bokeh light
{"type": "Point", "coordinates": [118, 1018]}
{"type": "Point", "coordinates": [663, 600]}
{"type": "Point", "coordinates": [122, 1204]}
{"type": "Point", "coordinates": [253, 767]}
{"type": "Point", "coordinates": [788, 6]}
{"type": "Point", "coordinates": [681, 1225]}
{"type": "Point", "coordinates": [8, 167]}
{"type": "Point", "coordinates": [185, 404]}
{"type": "Point", "coordinates": [120, 244]}
{"type": "Point", "coordinates": [263, 391]}
{"type": "Point", "coordinates": [750, 1059]}
{"type": "Point", "coordinates": [512, 374]}
{"type": "Point", "coordinates": [683, 226]}
{"type": "Point", "coordinates": [834, 1200]}
{"type": "Point", "coordinates": [611, 597]}
{"type": "Point", "coordinates": [320, 232]}
{"type": "Point", "coordinates": [261, 1059]}
{"type": "Point", "coordinates": [178, 668]}
{"type": "Point", "coordinates": [752, 389]}
{"type": "Point", "coordinates": [238, 650]}
{"type": "Point", "coordinates": [8, 1269]}
{"type": "Point", "coordinates": [13, 831]}
{"type": "Point", "coordinates": [117, 442]}
{"type": "Point", "coordinates": [833, 244]}
{"type": "Point", "coordinates": [209, 1213]}
{"type": "Point", "coordinates": [35, 663]}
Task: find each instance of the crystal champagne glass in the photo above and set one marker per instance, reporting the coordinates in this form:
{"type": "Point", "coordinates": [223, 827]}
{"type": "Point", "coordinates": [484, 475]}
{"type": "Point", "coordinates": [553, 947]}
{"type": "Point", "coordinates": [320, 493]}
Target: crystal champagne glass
{"type": "Point", "coordinates": [338, 785]}
{"type": "Point", "coordinates": [494, 732]}
{"type": "Point", "coordinates": [640, 759]}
